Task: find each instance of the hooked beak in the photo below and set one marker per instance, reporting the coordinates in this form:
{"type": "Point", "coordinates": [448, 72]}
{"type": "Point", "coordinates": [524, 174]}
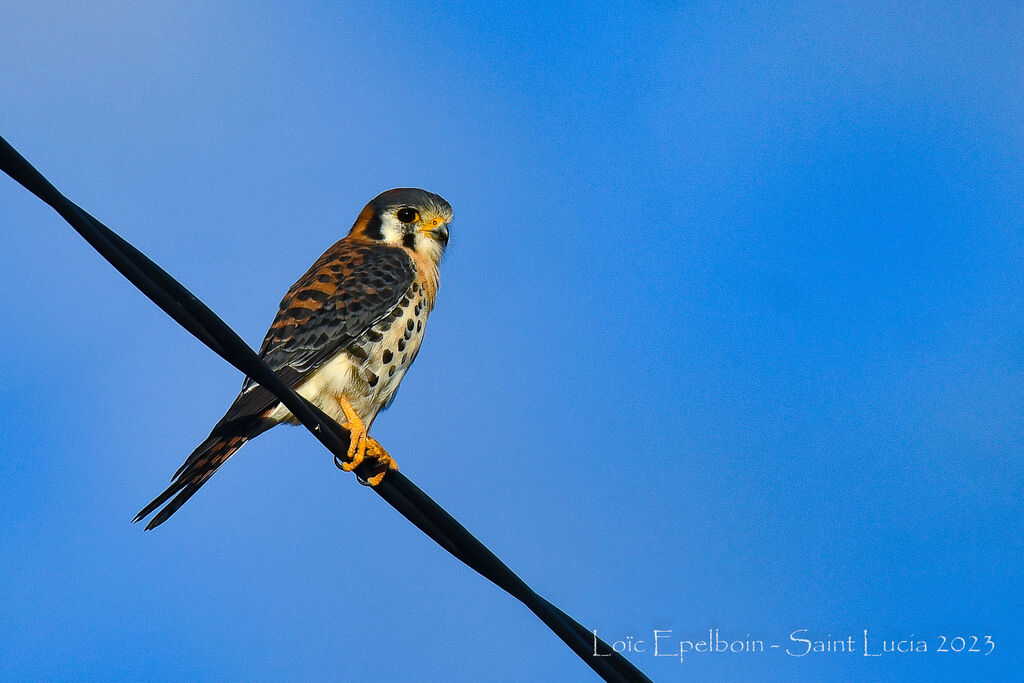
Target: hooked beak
{"type": "Point", "coordinates": [439, 233]}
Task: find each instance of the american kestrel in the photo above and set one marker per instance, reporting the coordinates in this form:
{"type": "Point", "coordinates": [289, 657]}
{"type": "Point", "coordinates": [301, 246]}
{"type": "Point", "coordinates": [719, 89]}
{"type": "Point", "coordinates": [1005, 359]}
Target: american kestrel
{"type": "Point", "coordinates": [343, 338]}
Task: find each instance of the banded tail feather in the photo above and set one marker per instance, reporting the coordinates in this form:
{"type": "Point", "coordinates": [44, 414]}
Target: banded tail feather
{"type": "Point", "coordinates": [225, 439]}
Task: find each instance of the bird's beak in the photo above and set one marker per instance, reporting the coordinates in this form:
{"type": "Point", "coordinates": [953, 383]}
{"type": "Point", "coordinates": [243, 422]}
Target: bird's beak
{"type": "Point", "coordinates": [438, 232]}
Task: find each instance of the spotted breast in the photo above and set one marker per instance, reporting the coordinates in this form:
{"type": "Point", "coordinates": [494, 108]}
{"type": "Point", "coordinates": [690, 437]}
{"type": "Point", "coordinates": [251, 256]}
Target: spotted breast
{"type": "Point", "coordinates": [369, 369]}
{"type": "Point", "coordinates": [373, 366]}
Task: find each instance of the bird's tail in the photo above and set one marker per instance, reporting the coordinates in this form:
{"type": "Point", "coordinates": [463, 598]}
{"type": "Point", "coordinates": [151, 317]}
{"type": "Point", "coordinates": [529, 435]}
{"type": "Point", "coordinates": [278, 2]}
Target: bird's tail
{"type": "Point", "coordinates": [226, 438]}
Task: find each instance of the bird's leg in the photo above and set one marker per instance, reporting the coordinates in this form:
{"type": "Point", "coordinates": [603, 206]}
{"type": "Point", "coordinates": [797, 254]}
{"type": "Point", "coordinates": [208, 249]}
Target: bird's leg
{"type": "Point", "coordinates": [361, 445]}
{"type": "Point", "coordinates": [357, 436]}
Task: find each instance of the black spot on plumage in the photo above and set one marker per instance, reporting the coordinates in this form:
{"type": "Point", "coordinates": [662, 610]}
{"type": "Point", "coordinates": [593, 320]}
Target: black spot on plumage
{"type": "Point", "coordinates": [387, 356]}
{"type": "Point", "coordinates": [410, 324]}
{"type": "Point", "coordinates": [391, 371]}
{"type": "Point", "coordinates": [374, 335]}
{"type": "Point", "coordinates": [419, 325]}
{"type": "Point", "coordinates": [299, 313]}
{"type": "Point", "coordinates": [409, 240]}
{"type": "Point", "coordinates": [312, 295]}
{"type": "Point", "coordinates": [358, 352]}
{"type": "Point", "coordinates": [324, 278]}
{"type": "Point", "coordinates": [371, 379]}
{"type": "Point", "coordinates": [401, 345]}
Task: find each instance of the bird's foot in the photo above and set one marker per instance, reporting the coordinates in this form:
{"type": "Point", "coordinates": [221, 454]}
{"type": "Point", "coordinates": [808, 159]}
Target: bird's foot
{"type": "Point", "coordinates": [361, 446]}
{"type": "Point", "coordinates": [384, 460]}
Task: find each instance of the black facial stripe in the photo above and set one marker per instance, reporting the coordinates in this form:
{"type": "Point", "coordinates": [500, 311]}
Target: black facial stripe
{"type": "Point", "coordinates": [374, 229]}
{"type": "Point", "coordinates": [409, 240]}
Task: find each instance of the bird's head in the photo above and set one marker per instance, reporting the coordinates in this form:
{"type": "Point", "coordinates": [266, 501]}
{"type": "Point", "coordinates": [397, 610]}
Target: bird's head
{"type": "Point", "coordinates": [407, 217]}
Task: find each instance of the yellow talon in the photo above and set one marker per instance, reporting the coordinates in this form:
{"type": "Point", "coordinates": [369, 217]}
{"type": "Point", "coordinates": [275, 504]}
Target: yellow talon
{"type": "Point", "coordinates": [361, 445]}
{"type": "Point", "coordinates": [384, 460]}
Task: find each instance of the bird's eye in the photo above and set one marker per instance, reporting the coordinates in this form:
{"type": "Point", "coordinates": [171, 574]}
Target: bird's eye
{"type": "Point", "coordinates": [407, 215]}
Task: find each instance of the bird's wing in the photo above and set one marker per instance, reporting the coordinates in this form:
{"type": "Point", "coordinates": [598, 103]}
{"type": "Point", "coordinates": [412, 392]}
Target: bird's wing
{"type": "Point", "coordinates": [351, 287]}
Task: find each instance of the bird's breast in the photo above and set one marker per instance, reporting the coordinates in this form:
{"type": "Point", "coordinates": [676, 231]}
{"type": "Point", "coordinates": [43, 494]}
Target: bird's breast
{"type": "Point", "coordinates": [370, 369]}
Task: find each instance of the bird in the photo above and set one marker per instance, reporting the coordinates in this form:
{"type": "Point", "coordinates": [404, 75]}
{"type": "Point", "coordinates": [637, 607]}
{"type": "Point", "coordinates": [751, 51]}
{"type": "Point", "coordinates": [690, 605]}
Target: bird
{"type": "Point", "coordinates": [343, 338]}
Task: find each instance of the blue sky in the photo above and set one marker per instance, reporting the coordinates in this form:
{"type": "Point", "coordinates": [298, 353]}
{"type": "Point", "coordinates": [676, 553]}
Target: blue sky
{"type": "Point", "coordinates": [729, 336]}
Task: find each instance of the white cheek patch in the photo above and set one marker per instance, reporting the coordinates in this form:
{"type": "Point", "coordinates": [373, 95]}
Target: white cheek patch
{"type": "Point", "coordinates": [391, 230]}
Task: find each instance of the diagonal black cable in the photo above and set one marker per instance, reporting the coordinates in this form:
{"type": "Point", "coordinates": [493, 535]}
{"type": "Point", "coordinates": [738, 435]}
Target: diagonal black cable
{"type": "Point", "coordinates": [416, 506]}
